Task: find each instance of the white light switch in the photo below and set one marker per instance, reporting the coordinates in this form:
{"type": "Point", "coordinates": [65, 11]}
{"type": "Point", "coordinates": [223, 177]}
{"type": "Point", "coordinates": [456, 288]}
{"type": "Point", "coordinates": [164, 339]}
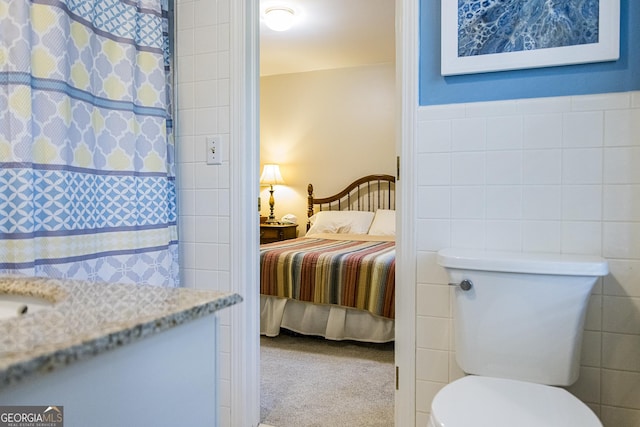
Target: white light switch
{"type": "Point", "coordinates": [214, 150]}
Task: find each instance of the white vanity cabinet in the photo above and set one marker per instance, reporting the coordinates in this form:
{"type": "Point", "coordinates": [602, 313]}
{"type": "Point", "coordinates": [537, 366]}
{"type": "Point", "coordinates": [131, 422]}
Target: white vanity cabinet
{"type": "Point", "coordinates": [148, 360]}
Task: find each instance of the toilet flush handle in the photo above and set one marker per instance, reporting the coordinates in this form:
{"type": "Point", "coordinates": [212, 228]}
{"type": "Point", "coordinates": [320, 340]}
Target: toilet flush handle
{"type": "Point", "coordinates": [465, 285]}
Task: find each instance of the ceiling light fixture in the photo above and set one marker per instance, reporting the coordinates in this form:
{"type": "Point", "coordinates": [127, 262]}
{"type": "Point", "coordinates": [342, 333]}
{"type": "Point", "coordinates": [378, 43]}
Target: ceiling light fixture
{"type": "Point", "coordinates": [279, 18]}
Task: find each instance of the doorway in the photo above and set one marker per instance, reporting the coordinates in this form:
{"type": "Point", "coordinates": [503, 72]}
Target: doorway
{"type": "Point", "coordinates": [364, 78]}
{"type": "Point", "coordinates": [244, 383]}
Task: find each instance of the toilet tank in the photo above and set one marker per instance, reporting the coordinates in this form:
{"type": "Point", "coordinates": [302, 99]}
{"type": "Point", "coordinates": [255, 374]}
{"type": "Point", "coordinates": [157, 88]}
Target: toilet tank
{"type": "Point", "coordinates": [523, 317]}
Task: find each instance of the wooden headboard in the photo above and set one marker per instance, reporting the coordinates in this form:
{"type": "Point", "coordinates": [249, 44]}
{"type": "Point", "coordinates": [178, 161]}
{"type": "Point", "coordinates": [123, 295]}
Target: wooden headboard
{"type": "Point", "coordinates": [368, 193]}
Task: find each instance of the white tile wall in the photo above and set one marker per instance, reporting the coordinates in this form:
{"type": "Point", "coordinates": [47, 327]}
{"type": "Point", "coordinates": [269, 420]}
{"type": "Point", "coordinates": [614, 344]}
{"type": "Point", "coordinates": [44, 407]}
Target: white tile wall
{"type": "Point", "coordinates": [202, 76]}
{"type": "Point", "coordinates": [549, 174]}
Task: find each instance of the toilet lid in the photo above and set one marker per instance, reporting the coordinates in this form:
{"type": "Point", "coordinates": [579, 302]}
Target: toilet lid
{"type": "Point", "coordinates": [497, 402]}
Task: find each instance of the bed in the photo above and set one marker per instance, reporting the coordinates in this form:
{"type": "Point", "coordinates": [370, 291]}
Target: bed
{"type": "Point", "coordinates": [338, 280]}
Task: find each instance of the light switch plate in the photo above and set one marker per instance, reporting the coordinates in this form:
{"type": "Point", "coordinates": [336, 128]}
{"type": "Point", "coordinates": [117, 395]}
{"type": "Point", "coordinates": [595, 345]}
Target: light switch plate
{"type": "Point", "coordinates": [214, 150]}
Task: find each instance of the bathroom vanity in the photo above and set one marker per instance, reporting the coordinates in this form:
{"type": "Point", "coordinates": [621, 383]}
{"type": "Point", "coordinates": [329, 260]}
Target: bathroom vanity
{"type": "Point", "coordinates": [113, 354]}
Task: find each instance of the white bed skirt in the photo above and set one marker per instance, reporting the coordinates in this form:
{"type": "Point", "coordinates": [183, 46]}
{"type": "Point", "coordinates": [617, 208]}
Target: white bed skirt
{"type": "Point", "coordinates": [331, 322]}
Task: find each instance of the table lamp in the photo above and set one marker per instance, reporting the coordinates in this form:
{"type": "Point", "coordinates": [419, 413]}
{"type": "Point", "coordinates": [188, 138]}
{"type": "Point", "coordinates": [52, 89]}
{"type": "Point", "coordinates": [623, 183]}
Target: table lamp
{"type": "Point", "coordinates": [271, 176]}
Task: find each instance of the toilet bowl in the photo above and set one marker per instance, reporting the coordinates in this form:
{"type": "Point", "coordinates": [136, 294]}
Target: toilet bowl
{"type": "Point", "coordinates": [518, 323]}
{"type": "Point", "coordinates": [476, 401]}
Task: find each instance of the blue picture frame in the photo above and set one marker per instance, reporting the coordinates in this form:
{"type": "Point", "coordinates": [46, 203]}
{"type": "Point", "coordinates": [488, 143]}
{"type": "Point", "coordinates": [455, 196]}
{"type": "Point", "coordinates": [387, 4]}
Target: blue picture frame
{"type": "Point", "coordinates": [497, 35]}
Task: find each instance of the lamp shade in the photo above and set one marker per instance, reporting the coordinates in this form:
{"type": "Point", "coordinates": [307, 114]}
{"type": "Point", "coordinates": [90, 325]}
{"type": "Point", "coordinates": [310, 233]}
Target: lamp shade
{"type": "Point", "coordinates": [271, 175]}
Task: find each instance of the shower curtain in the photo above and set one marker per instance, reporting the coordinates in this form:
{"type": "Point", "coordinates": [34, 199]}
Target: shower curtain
{"type": "Point", "coordinates": [87, 178]}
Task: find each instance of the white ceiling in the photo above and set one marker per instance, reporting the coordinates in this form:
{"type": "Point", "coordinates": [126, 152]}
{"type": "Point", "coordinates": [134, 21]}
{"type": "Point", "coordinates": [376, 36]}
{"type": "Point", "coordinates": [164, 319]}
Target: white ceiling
{"type": "Point", "coordinates": [329, 34]}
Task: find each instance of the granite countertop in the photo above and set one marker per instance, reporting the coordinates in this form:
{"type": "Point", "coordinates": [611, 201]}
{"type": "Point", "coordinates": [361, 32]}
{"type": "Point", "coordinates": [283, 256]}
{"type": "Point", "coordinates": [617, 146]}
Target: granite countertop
{"type": "Point", "coordinates": [90, 318]}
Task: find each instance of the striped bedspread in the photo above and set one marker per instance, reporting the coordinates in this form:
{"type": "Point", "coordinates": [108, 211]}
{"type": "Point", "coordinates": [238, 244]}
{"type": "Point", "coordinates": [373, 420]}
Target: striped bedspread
{"type": "Point", "coordinates": [324, 269]}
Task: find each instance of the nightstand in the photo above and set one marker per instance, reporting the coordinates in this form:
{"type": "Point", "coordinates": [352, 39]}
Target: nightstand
{"type": "Point", "coordinates": [275, 232]}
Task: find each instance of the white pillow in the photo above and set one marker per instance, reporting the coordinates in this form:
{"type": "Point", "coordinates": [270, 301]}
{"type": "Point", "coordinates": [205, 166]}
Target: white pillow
{"type": "Point", "coordinates": [384, 223]}
{"type": "Point", "coordinates": [350, 222]}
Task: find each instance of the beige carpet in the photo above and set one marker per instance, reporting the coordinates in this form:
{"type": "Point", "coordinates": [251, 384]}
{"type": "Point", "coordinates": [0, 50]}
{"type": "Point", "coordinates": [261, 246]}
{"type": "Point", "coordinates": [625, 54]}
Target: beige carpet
{"type": "Point", "coordinates": [308, 382]}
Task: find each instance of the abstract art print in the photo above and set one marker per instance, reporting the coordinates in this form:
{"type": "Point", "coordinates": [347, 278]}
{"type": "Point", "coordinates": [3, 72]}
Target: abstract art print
{"type": "Point", "coordinates": [496, 35]}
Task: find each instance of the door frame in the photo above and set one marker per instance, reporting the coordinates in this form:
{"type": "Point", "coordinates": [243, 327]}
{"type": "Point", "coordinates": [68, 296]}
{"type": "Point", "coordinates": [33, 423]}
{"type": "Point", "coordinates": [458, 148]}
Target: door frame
{"type": "Point", "coordinates": [244, 161]}
{"type": "Point", "coordinates": [407, 54]}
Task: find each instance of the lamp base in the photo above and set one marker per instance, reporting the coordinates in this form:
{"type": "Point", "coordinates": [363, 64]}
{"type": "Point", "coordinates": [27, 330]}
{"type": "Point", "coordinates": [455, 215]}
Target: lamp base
{"type": "Point", "coordinates": [272, 202]}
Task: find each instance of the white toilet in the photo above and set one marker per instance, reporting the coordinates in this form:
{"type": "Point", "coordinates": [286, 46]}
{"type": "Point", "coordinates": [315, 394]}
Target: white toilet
{"type": "Point", "coordinates": [518, 320]}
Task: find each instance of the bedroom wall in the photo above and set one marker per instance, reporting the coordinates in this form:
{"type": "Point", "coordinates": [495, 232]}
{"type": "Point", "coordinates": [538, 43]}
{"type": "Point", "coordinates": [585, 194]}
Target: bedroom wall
{"type": "Point", "coordinates": [539, 160]}
{"type": "Point", "coordinates": [328, 128]}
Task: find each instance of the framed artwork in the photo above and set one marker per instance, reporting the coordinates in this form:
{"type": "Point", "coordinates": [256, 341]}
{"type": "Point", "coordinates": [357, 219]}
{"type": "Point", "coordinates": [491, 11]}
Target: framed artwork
{"type": "Point", "coordinates": [496, 35]}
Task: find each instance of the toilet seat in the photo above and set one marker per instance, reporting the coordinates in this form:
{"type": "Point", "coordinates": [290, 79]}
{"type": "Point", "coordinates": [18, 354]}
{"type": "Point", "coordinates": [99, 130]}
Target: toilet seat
{"type": "Point", "coordinates": [496, 402]}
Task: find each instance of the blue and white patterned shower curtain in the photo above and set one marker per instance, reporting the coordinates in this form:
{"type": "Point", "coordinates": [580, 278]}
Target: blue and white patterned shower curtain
{"type": "Point", "coordinates": [87, 178]}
